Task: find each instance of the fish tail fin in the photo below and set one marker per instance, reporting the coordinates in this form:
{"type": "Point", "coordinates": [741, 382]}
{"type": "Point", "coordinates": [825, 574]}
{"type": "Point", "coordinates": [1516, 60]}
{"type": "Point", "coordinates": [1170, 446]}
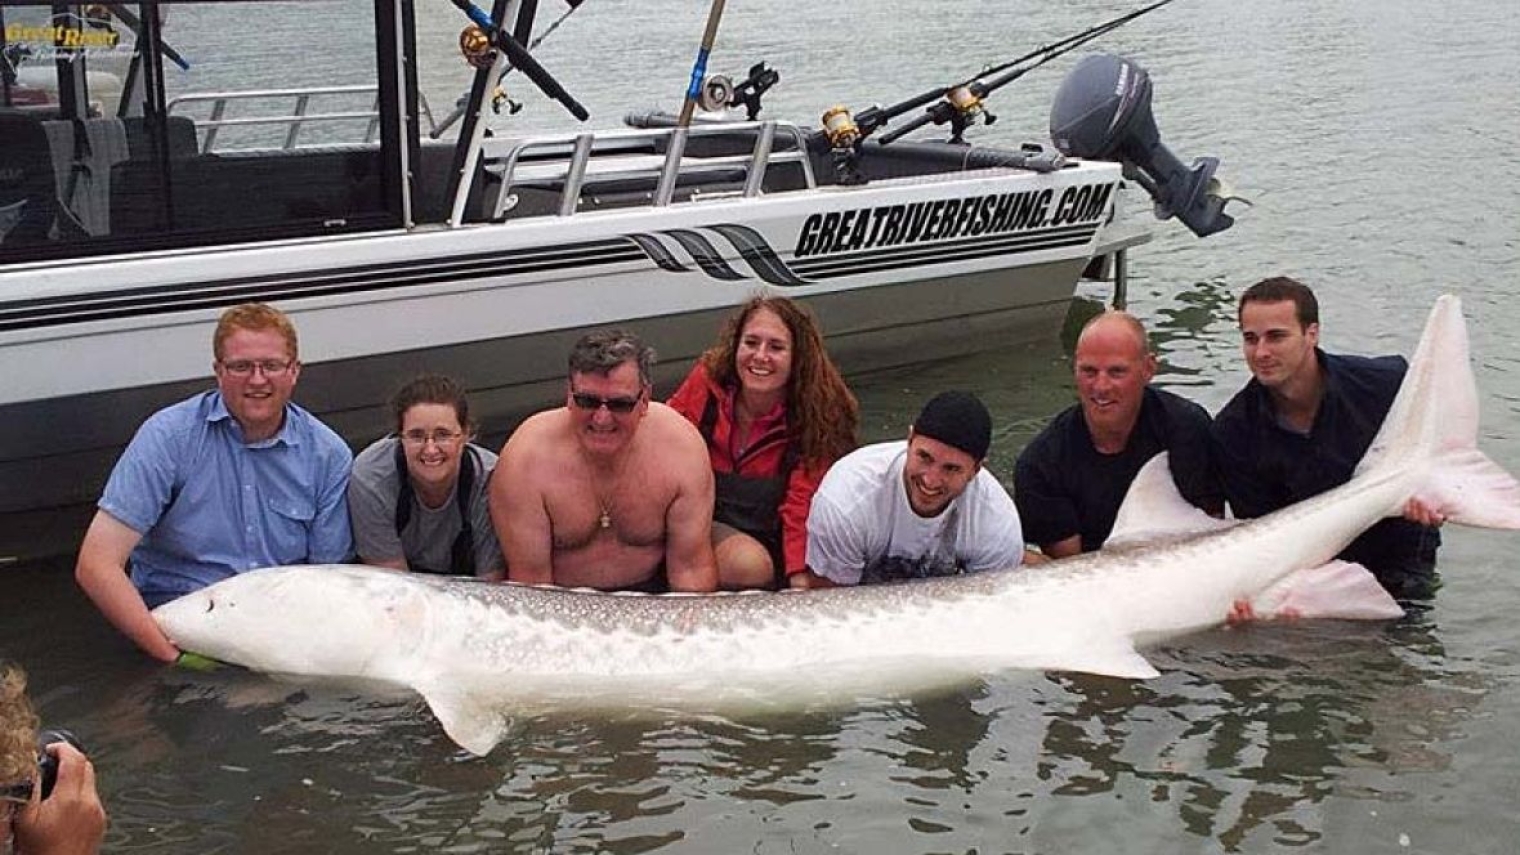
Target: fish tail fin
{"type": "Point", "coordinates": [1432, 429]}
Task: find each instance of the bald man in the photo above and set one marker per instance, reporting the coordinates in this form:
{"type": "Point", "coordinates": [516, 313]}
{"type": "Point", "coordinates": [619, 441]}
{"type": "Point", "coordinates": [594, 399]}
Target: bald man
{"type": "Point", "coordinates": [1070, 481]}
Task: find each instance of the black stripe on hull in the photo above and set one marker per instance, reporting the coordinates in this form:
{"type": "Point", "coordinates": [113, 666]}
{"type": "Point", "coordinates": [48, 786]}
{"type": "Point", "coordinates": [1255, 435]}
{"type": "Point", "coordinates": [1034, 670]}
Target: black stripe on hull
{"type": "Point", "coordinates": [755, 251]}
{"type": "Point", "coordinates": [758, 254]}
{"type": "Point", "coordinates": [159, 300]}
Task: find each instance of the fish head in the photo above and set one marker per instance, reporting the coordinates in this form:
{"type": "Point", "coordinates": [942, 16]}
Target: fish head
{"type": "Point", "coordinates": [299, 620]}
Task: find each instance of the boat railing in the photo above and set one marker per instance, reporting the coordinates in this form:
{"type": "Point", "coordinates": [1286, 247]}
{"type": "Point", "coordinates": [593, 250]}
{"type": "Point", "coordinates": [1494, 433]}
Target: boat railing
{"type": "Point", "coordinates": [294, 118]}
{"type": "Point", "coordinates": [569, 161]}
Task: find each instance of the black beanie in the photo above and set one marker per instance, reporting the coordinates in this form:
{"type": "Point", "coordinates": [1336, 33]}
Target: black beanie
{"type": "Point", "coordinates": [958, 420]}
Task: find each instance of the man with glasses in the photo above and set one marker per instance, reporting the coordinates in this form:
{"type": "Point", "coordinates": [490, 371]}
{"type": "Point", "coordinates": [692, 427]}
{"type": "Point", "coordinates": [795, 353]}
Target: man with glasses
{"type": "Point", "coordinates": [611, 491]}
{"type": "Point", "coordinates": [229, 480]}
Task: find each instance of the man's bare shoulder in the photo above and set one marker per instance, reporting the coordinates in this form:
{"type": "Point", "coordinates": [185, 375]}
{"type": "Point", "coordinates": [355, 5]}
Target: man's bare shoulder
{"type": "Point", "coordinates": [670, 425]}
{"type": "Point", "coordinates": [536, 436]}
{"type": "Point", "coordinates": [674, 445]}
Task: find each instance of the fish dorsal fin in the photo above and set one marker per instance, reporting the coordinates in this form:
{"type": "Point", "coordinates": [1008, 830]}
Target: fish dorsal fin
{"type": "Point", "coordinates": [1154, 510]}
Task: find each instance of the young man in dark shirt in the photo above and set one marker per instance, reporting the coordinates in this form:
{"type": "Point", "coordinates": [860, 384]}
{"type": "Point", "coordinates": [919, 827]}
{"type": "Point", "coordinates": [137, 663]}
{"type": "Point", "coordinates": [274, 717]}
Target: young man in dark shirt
{"type": "Point", "coordinates": [1070, 481]}
{"type": "Point", "coordinates": [1303, 422]}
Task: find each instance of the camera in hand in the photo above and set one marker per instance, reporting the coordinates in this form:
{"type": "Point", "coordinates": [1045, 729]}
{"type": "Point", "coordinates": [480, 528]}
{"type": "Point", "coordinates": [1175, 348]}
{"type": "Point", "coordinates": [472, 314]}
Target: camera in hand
{"type": "Point", "coordinates": [47, 762]}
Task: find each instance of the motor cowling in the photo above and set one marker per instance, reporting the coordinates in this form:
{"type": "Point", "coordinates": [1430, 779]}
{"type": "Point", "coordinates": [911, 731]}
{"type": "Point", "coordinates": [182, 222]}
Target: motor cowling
{"type": "Point", "coordinates": [1103, 112]}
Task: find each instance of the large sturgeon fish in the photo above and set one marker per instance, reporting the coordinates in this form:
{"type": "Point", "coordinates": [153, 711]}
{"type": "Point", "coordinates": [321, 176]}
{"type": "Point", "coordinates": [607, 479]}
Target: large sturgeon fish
{"type": "Point", "coordinates": [474, 649]}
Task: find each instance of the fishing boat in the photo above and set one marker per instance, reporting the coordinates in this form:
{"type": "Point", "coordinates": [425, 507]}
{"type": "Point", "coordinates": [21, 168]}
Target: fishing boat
{"type": "Point", "coordinates": [144, 188]}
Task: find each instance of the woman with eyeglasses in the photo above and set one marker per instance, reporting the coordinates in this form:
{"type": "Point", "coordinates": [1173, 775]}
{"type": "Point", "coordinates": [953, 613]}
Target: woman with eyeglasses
{"type": "Point", "coordinates": [417, 498]}
{"type": "Point", "coordinates": [776, 413]}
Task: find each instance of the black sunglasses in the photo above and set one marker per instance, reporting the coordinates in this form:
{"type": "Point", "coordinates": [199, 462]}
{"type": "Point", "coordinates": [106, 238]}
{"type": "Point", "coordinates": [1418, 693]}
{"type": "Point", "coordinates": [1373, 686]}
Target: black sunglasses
{"type": "Point", "coordinates": [588, 401]}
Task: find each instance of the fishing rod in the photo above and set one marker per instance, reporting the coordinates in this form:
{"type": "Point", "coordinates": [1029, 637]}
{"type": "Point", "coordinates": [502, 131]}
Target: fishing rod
{"type": "Point", "coordinates": [500, 94]}
{"type": "Point", "coordinates": [699, 68]}
{"type": "Point", "coordinates": [518, 55]}
{"type": "Point", "coordinates": [961, 103]}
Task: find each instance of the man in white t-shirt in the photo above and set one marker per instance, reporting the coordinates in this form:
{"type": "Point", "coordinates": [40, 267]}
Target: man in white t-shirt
{"type": "Point", "coordinates": [907, 510]}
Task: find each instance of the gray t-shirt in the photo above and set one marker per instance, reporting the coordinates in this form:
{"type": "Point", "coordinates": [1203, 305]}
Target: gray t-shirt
{"type": "Point", "coordinates": [428, 539]}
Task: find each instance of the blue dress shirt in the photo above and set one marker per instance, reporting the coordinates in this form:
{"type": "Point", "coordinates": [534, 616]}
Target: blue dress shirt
{"type": "Point", "coordinates": [210, 505]}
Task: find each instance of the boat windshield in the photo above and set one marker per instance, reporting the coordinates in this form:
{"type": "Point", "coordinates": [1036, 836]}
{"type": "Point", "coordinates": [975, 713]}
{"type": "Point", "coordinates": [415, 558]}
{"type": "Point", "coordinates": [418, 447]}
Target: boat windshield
{"type": "Point", "coordinates": [128, 126]}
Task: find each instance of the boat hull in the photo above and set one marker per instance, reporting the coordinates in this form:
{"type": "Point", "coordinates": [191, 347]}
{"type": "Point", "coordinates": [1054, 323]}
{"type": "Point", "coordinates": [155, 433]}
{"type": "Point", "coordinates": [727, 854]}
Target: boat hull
{"type": "Point", "coordinates": [498, 306]}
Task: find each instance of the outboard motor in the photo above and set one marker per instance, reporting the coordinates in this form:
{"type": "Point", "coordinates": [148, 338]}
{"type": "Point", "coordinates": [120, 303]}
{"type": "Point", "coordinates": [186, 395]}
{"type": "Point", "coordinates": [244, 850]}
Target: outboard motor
{"type": "Point", "coordinates": [1103, 112]}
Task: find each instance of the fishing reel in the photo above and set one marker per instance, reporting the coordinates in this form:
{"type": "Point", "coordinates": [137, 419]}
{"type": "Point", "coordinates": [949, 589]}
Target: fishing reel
{"type": "Point", "coordinates": [475, 45]}
{"type": "Point", "coordinates": [715, 93]}
{"type": "Point", "coordinates": [961, 106]}
{"type": "Point", "coordinates": [719, 92]}
{"type": "Point", "coordinates": [500, 98]}
{"type": "Point", "coordinates": [844, 136]}
{"type": "Point", "coordinates": [967, 107]}
{"type": "Point", "coordinates": [474, 40]}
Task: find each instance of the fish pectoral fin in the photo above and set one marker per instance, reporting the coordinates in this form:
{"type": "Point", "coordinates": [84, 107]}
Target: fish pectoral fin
{"type": "Point", "coordinates": [476, 726]}
{"type": "Point", "coordinates": [1337, 590]}
{"type": "Point", "coordinates": [1118, 659]}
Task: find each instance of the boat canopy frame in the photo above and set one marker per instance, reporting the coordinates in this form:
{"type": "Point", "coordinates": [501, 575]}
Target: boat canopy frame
{"type": "Point", "coordinates": [147, 173]}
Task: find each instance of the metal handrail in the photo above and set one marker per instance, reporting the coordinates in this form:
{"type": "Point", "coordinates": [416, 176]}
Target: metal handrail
{"type": "Point", "coordinates": [299, 117]}
{"type": "Point", "coordinates": [507, 155]}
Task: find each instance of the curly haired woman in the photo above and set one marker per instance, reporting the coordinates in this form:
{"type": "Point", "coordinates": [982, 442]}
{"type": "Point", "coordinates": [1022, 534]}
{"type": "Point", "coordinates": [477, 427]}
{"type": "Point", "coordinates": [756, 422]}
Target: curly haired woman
{"type": "Point", "coordinates": [776, 414]}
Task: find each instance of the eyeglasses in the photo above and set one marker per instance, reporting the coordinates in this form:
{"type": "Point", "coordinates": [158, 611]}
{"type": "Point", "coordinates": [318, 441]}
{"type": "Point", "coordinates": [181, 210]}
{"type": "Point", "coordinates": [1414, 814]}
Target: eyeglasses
{"type": "Point", "coordinates": [441, 438]}
{"type": "Point", "coordinates": [245, 367]}
{"type": "Point", "coordinates": [587, 401]}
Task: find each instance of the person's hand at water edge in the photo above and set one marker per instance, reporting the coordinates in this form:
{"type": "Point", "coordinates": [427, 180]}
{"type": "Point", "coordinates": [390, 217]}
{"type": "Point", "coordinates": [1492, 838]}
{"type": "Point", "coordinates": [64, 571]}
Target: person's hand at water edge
{"type": "Point", "coordinates": [1242, 613]}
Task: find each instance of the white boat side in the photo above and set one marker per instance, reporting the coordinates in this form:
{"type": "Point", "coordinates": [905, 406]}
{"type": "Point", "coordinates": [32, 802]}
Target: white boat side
{"type": "Point", "coordinates": [129, 221]}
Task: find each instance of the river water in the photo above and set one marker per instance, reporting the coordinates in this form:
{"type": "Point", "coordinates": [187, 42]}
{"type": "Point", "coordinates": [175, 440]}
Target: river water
{"type": "Point", "coordinates": [1378, 141]}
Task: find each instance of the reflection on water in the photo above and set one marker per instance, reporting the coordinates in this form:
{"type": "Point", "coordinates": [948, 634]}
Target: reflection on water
{"type": "Point", "coordinates": [1247, 747]}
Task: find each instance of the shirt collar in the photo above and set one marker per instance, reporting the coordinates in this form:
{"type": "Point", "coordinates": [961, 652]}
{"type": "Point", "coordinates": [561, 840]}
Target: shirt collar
{"type": "Point", "coordinates": [1329, 376]}
{"type": "Point", "coordinates": [218, 412]}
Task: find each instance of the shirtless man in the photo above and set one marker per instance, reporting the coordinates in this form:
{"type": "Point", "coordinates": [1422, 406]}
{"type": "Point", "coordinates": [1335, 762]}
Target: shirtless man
{"type": "Point", "coordinates": [610, 491]}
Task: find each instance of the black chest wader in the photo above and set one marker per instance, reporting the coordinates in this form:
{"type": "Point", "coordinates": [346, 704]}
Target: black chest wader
{"type": "Point", "coordinates": [462, 553]}
{"type": "Point", "coordinates": [750, 504]}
